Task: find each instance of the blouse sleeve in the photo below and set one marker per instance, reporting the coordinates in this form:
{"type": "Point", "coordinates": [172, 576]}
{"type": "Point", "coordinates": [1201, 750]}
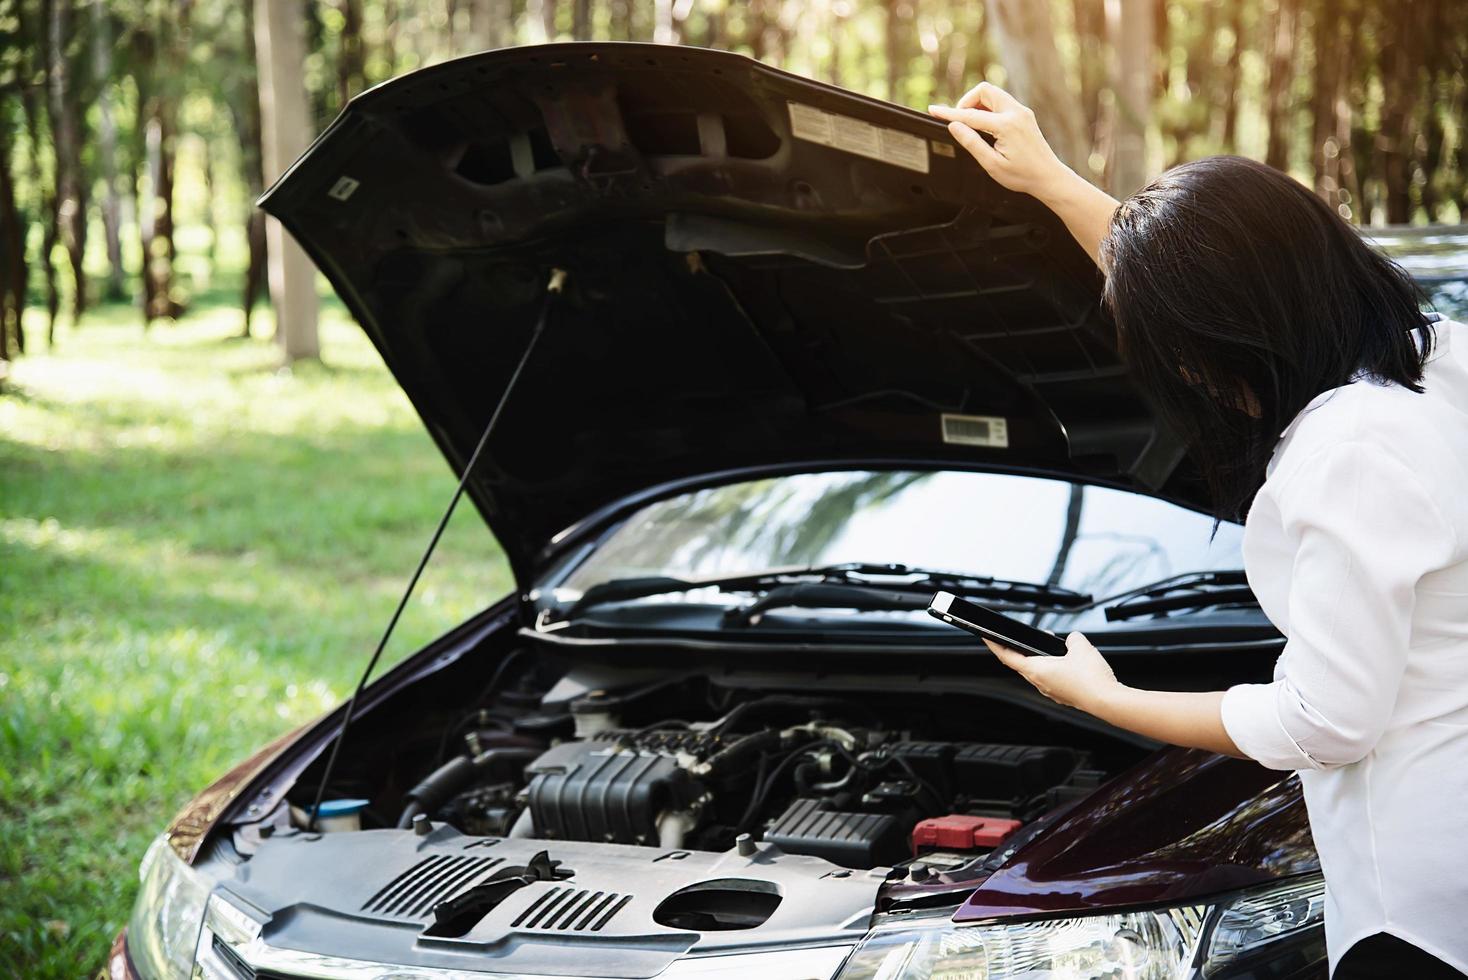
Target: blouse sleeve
{"type": "Point", "coordinates": [1365, 530]}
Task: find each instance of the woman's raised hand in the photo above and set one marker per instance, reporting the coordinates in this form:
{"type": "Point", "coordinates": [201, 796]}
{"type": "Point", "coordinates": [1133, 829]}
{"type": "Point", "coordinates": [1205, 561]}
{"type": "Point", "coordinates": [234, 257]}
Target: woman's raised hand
{"type": "Point", "coordinates": [1020, 158]}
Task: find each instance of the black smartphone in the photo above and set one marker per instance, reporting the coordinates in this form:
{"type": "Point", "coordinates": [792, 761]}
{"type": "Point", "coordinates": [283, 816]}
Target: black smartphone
{"type": "Point", "coordinates": [982, 621]}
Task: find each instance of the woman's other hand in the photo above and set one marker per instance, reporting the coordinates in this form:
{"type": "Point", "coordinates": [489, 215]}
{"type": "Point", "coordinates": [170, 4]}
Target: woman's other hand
{"type": "Point", "coordinates": [1020, 158]}
{"type": "Point", "coordinates": [1083, 679]}
{"type": "Point", "coordinates": [1080, 679]}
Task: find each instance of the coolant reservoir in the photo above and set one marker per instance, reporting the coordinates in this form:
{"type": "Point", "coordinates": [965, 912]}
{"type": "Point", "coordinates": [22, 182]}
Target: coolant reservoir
{"type": "Point", "coordinates": [338, 815]}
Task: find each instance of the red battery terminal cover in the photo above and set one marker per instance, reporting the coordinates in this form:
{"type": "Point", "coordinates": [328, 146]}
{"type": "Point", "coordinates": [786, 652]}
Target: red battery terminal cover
{"type": "Point", "coordinates": [961, 832]}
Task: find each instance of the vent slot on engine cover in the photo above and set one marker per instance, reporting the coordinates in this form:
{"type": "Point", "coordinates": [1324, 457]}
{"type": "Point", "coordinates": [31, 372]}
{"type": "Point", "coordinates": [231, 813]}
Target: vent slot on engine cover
{"type": "Point", "coordinates": [414, 892]}
{"type": "Point", "coordinates": [571, 909]}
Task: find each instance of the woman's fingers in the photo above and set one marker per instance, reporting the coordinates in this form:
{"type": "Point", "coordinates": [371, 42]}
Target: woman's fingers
{"type": "Point", "coordinates": [987, 95]}
{"type": "Point", "coordinates": [970, 140]}
{"type": "Point", "coordinates": [980, 119]}
{"type": "Point", "coordinates": [1076, 679]}
{"type": "Point", "coordinates": [1019, 158]}
{"type": "Point", "coordinates": [1012, 659]}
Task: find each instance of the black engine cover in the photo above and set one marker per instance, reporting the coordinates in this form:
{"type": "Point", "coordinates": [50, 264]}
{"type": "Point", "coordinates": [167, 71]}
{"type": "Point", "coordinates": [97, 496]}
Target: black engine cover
{"type": "Point", "coordinates": [854, 840]}
{"type": "Point", "coordinates": [603, 791]}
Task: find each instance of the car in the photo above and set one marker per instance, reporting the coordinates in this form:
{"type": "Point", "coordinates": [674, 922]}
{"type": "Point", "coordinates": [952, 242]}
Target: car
{"type": "Point", "coordinates": [741, 369]}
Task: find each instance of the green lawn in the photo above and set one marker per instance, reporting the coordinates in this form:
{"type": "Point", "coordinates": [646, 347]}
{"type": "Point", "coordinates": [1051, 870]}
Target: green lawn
{"type": "Point", "coordinates": [197, 552]}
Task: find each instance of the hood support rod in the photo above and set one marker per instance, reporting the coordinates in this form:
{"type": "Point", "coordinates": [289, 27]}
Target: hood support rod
{"type": "Point", "coordinates": [553, 289]}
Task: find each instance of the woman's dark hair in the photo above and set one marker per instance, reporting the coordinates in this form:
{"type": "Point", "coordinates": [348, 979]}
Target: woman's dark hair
{"type": "Point", "coordinates": [1230, 283]}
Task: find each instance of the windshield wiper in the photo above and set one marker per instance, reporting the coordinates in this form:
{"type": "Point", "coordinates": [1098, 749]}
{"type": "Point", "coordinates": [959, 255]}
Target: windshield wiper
{"type": "Point", "coordinates": [826, 595]}
{"type": "Point", "coordinates": [1194, 590]}
{"type": "Point", "coordinates": [852, 578]}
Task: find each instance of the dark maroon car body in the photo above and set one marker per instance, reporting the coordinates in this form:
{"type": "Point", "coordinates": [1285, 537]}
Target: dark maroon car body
{"type": "Point", "coordinates": [597, 160]}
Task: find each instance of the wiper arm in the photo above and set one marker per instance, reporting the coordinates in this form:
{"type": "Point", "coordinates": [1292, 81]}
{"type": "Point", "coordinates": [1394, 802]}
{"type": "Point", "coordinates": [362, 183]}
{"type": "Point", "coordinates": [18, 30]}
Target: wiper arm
{"type": "Point", "coordinates": [848, 574]}
{"type": "Point", "coordinates": [825, 595]}
{"type": "Point", "coordinates": [1194, 590]}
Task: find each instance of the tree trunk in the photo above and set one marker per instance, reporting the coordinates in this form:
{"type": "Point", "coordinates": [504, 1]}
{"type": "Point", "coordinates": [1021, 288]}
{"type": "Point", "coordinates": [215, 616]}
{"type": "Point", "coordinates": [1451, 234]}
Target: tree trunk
{"type": "Point", "coordinates": [1192, 115]}
{"type": "Point", "coordinates": [107, 149]}
{"type": "Point", "coordinates": [581, 20]}
{"type": "Point", "coordinates": [715, 21]}
{"type": "Point", "coordinates": [897, 16]}
{"type": "Point", "coordinates": [1023, 40]}
{"type": "Point", "coordinates": [1090, 21]}
{"type": "Point", "coordinates": [71, 185]}
{"type": "Point", "coordinates": [46, 200]}
{"type": "Point", "coordinates": [756, 18]}
{"type": "Point", "coordinates": [961, 44]}
{"type": "Point", "coordinates": [12, 262]}
{"type": "Point", "coordinates": [1348, 175]}
{"type": "Point", "coordinates": [389, 35]}
{"type": "Point", "coordinates": [1394, 135]}
{"type": "Point", "coordinates": [351, 70]}
{"type": "Point", "coordinates": [245, 110]}
{"type": "Point", "coordinates": [155, 211]}
{"type": "Point", "coordinates": [1233, 77]}
{"type": "Point", "coordinates": [1325, 154]}
{"type": "Point", "coordinates": [211, 223]}
{"type": "Point", "coordinates": [1278, 111]}
{"type": "Point", "coordinates": [1436, 37]}
{"type": "Point", "coordinates": [1131, 23]}
{"type": "Point", "coordinates": [280, 50]}
{"type": "Point", "coordinates": [489, 23]}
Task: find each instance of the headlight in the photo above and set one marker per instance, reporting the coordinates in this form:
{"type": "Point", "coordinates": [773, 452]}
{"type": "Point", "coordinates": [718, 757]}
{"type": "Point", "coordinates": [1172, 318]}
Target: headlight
{"type": "Point", "coordinates": [164, 927]}
{"type": "Point", "coordinates": [1157, 945]}
{"type": "Point", "coordinates": [1162, 944]}
{"type": "Point", "coordinates": [1262, 916]}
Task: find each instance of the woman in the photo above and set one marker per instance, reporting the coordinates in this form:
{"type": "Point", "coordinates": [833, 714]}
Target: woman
{"type": "Point", "coordinates": [1316, 397]}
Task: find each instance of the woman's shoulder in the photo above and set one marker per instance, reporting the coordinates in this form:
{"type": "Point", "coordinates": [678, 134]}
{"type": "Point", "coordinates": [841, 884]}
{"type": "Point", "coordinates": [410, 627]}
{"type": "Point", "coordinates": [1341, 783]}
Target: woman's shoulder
{"type": "Point", "coordinates": [1391, 415]}
{"type": "Point", "coordinates": [1385, 424]}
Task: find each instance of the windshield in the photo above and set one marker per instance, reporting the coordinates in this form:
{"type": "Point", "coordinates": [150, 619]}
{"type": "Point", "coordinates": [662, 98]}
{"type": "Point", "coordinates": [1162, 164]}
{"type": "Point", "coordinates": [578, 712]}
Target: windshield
{"type": "Point", "coordinates": [1090, 539]}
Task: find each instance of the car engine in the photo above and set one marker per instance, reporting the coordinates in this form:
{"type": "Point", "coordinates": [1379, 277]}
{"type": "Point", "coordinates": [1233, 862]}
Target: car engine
{"type": "Point", "coordinates": [811, 775]}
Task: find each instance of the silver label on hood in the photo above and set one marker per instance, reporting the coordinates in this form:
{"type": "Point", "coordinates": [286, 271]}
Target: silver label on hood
{"type": "Point", "coordinates": [862, 138]}
{"type": "Point", "coordinates": [976, 430]}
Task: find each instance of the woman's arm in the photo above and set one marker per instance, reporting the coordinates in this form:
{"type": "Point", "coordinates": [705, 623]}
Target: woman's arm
{"type": "Point", "coordinates": [1022, 161]}
{"type": "Point", "coordinates": [1367, 528]}
{"type": "Point", "coordinates": [1082, 679]}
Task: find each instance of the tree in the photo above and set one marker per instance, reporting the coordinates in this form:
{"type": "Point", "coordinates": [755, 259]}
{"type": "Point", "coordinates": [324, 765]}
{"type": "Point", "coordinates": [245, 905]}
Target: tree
{"type": "Point", "coordinates": [245, 111]}
{"type": "Point", "coordinates": [161, 46]}
{"type": "Point", "coordinates": [489, 23]}
{"type": "Point", "coordinates": [66, 142]}
{"type": "Point", "coordinates": [280, 50]}
{"type": "Point", "coordinates": [107, 148]}
{"type": "Point", "coordinates": [1280, 102]}
{"type": "Point", "coordinates": [1131, 25]}
{"type": "Point", "coordinates": [12, 254]}
{"type": "Point", "coordinates": [1233, 77]}
{"type": "Point", "coordinates": [46, 204]}
{"type": "Point", "coordinates": [352, 59]}
{"type": "Point", "coordinates": [1023, 35]}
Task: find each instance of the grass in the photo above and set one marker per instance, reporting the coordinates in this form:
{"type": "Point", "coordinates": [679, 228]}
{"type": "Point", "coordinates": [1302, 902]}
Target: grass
{"type": "Point", "coordinates": [197, 552]}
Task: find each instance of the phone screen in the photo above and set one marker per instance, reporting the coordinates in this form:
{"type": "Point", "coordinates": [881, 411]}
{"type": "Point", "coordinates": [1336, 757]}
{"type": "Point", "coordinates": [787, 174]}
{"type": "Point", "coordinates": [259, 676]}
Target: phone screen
{"type": "Point", "coordinates": [982, 621]}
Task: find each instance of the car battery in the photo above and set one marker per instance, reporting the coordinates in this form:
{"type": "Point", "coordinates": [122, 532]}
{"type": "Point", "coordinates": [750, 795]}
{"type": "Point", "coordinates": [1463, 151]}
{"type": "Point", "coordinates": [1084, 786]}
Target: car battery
{"type": "Point", "coordinates": [961, 832]}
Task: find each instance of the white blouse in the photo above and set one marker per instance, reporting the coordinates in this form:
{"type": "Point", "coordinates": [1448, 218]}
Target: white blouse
{"type": "Point", "coordinates": [1357, 548]}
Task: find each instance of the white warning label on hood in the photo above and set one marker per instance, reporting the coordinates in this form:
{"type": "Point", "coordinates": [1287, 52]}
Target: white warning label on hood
{"type": "Point", "coordinates": [862, 138]}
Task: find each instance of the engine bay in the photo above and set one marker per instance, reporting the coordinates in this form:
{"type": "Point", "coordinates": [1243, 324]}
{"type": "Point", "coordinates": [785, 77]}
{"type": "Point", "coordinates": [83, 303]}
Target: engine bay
{"type": "Point", "coordinates": [859, 775]}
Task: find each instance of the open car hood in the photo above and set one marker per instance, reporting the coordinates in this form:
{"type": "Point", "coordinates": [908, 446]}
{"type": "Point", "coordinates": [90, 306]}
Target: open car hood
{"type": "Point", "coordinates": [761, 270]}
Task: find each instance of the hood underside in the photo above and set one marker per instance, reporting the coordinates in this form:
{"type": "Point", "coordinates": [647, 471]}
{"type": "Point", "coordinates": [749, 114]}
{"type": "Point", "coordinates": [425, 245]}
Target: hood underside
{"type": "Point", "coordinates": [760, 271]}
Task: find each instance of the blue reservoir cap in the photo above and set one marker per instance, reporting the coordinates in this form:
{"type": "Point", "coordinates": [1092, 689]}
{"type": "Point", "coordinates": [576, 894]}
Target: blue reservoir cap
{"type": "Point", "coordinates": [342, 808]}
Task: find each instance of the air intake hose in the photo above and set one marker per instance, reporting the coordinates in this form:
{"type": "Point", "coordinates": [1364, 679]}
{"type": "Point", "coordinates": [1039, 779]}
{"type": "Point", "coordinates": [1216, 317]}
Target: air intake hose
{"type": "Point", "coordinates": [451, 778]}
